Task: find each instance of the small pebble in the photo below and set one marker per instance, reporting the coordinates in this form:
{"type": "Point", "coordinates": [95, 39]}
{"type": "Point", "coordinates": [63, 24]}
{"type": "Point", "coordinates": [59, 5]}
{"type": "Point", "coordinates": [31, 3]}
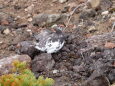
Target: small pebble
{"type": "Point", "coordinates": [112, 19]}
{"type": "Point", "coordinates": [105, 13]}
{"type": "Point", "coordinates": [92, 29]}
{"type": "Point", "coordinates": [29, 15]}
{"type": "Point", "coordinates": [29, 8]}
{"type": "Point", "coordinates": [29, 30]}
{"type": "Point", "coordinates": [6, 31]}
{"type": "Point", "coordinates": [55, 71]}
{"type": "Point", "coordinates": [29, 19]}
{"type": "Point", "coordinates": [1, 42]}
{"type": "Point", "coordinates": [62, 1]}
{"type": "Point", "coordinates": [94, 3]}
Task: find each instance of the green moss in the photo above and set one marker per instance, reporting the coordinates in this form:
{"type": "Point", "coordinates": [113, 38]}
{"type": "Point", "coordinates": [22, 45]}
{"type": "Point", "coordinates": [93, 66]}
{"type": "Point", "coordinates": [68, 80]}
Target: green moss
{"type": "Point", "coordinates": [22, 76]}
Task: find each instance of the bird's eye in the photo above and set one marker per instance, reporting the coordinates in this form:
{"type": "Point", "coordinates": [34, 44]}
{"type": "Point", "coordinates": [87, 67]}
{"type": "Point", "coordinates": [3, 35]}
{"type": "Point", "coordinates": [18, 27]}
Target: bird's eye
{"type": "Point", "coordinates": [37, 40]}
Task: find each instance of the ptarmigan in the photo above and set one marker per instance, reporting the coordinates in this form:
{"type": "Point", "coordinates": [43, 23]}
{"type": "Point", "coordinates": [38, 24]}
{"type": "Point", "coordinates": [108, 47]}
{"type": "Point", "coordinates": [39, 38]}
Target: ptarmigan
{"type": "Point", "coordinates": [51, 42]}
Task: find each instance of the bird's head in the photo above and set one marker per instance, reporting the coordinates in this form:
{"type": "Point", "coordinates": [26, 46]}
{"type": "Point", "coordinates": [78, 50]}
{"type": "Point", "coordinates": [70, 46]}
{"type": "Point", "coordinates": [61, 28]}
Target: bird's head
{"type": "Point", "coordinates": [58, 29]}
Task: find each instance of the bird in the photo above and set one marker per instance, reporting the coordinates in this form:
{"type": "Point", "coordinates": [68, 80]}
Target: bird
{"type": "Point", "coordinates": [42, 34]}
{"type": "Point", "coordinates": [51, 42]}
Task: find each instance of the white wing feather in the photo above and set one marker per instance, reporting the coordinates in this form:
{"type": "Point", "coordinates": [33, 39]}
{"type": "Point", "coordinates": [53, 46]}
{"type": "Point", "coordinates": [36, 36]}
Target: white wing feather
{"type": "Point", "coordinates": [52, 47]}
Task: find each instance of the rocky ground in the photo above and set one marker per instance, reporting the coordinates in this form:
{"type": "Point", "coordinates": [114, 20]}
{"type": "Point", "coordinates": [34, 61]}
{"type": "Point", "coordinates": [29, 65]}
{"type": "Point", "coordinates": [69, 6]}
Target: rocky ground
{"type": "Point", "coordinates": [87, 58]}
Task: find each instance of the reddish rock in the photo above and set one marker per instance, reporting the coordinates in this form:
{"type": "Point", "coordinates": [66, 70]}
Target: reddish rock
{"type": "Point", "coordinates": [6, 63]}
{"type": "Point", "coordinates": [109, 45]}
{"type": "Point", "coordinates": [4, 22]}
